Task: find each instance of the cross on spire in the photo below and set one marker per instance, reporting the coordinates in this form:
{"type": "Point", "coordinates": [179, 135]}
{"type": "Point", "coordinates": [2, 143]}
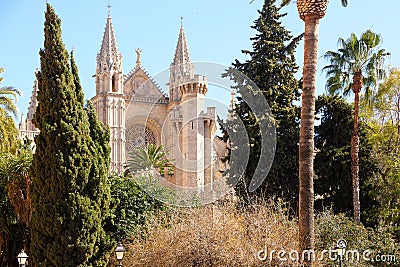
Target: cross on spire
{"type": "Point", "coordinates": [108, 7]}
{"type": "Point", "coordinates": [181, 21]}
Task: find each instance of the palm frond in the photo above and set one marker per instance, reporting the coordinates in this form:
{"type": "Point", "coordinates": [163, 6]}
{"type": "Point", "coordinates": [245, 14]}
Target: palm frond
{"type": "Point", "coordinates": [285, 3]}
{"type": "Point", "coordinates": [150, 157]}
{"type": "Point", "coordinates": [355, 55]}
{"type": "Point", "coordinates": [8, 99]}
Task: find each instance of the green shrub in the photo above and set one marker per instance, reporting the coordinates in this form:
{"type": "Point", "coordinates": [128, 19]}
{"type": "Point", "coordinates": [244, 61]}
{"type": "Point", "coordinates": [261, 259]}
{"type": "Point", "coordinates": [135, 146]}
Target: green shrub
{"type": "Point", "coordinates": [132, 206]}
{"type": "Point", "coordinates": [330, 228]}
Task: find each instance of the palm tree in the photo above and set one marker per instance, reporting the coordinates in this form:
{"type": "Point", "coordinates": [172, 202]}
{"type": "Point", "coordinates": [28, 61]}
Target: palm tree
{"type": "Point", "coordinates": [8, 98]}
{"type": "Point", "coordinates": [15, 203]}
{"type": "Point", "coordinates": [8, 109]}
{"type": "Point", "coordinates": [357, 64]}
{"type": "Point", "coordinates": [8, 132]}
{"type": "Point", "coordinates": [310, 11]}
{"type": "Point", "coordinates": [150, 157]}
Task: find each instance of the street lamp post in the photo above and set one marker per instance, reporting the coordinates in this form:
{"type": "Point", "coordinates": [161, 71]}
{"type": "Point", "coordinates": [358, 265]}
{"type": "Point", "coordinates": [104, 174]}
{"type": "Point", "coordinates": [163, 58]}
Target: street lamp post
{"type": "Point", "coordinates": [119, 253]}
{"type": "Point", "coordinates": [22, 257]}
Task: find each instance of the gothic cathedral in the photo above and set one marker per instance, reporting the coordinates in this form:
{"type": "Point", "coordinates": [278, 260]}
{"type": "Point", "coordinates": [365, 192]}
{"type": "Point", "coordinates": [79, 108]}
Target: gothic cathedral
{"type": "Point", "coordinates": [138, 112]}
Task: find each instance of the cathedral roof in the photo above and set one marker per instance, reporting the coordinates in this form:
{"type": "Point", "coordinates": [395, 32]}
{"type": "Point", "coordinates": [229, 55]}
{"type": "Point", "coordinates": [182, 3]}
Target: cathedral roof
{"type": "Point", "coordinates": [154, 90]}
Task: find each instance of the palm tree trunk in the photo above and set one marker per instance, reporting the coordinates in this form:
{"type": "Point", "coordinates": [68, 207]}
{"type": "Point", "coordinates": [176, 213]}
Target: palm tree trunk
{"type": "Point", "coordinates": [306, 143]}
{"type": "Point", "coordinates": [355, 142]}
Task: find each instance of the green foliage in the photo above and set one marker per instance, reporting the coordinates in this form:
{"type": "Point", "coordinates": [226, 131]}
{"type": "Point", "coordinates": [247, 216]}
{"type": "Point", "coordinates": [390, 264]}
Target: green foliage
{"type": "Point", "coordinates": [150, 157]}
{"type": "Point", "coordinates": [356, 55]}
{"type": "Point", "coordinates": [271, 67]}
{"type": "Point", "coordinates": [8, 98]}
{"type": "Point", "coordinates": [8, 133]}
{"type": "Point", "coordinates": [358, 64]}
{"type": "Point", "coordinates": [70, 193]}
{"type": "Point", "coordinates": [98, 187]}
{"type": "Point", "coordinates": [333, 184]}
{"type": "Point", "coordinates": [330, 228]}
{"type": "Point", "coordinates": [133, 206]}
{"type": "Point", "coordinates": [9, 227]}
{"type": "Point", "coordinates": [152, 185]}
{"type": "Point", "coordinates": [383, 119]}
{"type": "Point", "coordinates": [15, 204]}
{"type": "Point", "coordinates": [8, 109]}
{"type": "Point", "coordinates": [77, 83]}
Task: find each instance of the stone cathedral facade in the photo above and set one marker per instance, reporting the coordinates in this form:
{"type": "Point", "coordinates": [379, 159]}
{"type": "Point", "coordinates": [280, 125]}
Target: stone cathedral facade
{"type": "Point", "coordinates": [138, 112]}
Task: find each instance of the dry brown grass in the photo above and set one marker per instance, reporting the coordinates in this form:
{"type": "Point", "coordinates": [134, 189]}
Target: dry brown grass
{"type": "Point", "coordinates": [219, 235]}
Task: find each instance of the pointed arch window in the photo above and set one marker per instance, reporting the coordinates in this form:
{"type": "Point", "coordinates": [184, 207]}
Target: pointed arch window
{"type": "Point", "coordinates": [114, 83]}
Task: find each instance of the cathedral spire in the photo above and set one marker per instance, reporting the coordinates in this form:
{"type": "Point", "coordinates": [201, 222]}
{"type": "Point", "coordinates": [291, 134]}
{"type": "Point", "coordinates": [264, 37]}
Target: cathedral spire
{"type": "Point", "coordinates": [109, 100]}
{"type": "Point", "coordinates": [232, 105]}
{"type": "Point", "coordinates": [26, 126]}
{"type": "Point", "coordinates": [181, 67]}
{"type": "Point", "coordinates": [109, 57]}
{"type": "Point", "coordinates": [181, 52]}
{"type": "Point", "coordinates": [33, 101]}
{"type": "Point", "coordinates": [233, 100]}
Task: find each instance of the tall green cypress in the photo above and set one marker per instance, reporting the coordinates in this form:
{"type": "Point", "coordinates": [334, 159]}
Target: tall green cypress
{"type": "Point", "coordinates": [77, 82]}
{"type": "Point", "coordinates": [99, 187]}
{"type": "Point", "coordinates": [70, 194]}
{"type": "Point", "coordinates": [272, 68]}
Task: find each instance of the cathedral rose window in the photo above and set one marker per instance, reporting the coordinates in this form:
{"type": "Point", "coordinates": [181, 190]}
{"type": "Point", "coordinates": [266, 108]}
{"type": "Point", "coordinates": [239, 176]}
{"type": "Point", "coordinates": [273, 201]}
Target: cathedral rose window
{"type": "Point", "coordinates": [139, 135]}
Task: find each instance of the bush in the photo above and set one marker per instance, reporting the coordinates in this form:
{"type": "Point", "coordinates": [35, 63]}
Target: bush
{"type": "Point", "coordinates": [215, 235]}
{"type": "Point", "coordinates": [225, 235]}
{"type": "Point", "coordinates": [132, 206]}
{"type": "Point", "coordinates": [330, 228]}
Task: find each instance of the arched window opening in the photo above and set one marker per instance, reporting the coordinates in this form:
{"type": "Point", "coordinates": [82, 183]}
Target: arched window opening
{"type": "Point", "coordinates": [114, 83]}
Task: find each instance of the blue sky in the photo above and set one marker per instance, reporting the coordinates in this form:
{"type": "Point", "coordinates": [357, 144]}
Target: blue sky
{"type": "Point", "coordinates": [216, 31]}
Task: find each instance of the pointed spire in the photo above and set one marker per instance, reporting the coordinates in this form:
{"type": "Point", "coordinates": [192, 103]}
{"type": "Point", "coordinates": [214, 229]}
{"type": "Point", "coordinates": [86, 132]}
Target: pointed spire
{"type": "Point", "coordinates": [109, 56]}
{"type": "Point", "coordinates": [33, 103]}
{"type": "Point", "coordinates": [182, 52]}
{"type": "Point", "coordinates": [181, 66]}
{"type": "Point", "coordinates": [22, 123]}
{"type": "Point", "coordinates": [233, 100]}
{"type": "Point", "coordinates": [232, 105]}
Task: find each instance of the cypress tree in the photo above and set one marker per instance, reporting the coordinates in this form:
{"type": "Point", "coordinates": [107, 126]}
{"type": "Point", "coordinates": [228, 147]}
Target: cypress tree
{"type": "Point", "coordinates": [77, 82]}
{"type": "Point", "coordinates": [98, 186]}
{"type": "Point", "coordinates": [70, 195]}
{"type": "Point", "coordinates": [272, 68]}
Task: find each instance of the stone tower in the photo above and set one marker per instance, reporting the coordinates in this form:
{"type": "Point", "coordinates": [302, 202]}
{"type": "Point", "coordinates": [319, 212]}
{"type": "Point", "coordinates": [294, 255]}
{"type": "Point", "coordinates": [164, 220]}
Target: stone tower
{"type": "Point", "coordinates": [194, 128]}
{"type": "Point", "coordinates": [109, 100]}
